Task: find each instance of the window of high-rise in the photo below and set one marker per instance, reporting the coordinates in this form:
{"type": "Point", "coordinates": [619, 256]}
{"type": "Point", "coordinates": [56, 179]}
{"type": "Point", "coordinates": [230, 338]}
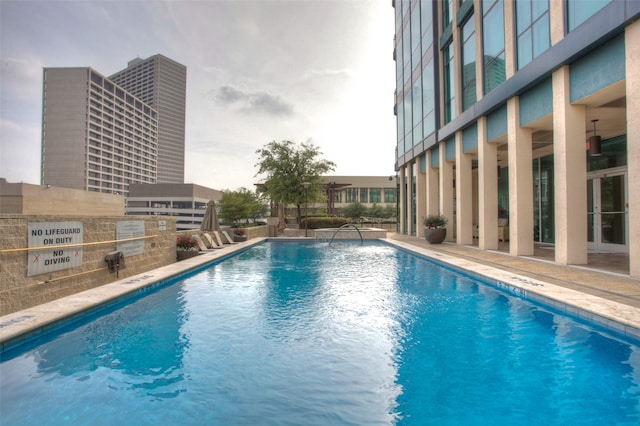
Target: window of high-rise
{"type": "Point", "coordinates": [448, 71]}
{"type": "Point", "coordinates": [493, 44]}
{"type": "Point", "coordinates": [579, 11]}
{"type": "Point", "coordinates": [532, 28]}
{"type": "Point", "coordinates": [468, 63]}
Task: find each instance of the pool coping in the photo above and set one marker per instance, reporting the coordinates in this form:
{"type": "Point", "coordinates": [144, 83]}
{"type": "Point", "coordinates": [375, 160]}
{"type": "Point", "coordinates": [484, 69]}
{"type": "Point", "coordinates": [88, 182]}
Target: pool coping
{"type": "Point", "coordinates": [32, 322]}
{"type": "Point", "coordinates": [610, 315]}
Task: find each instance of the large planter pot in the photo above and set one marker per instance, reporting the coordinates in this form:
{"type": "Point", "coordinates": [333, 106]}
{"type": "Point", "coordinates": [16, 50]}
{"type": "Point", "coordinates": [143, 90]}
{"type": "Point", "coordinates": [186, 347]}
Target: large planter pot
{"type": "Point", "coordinates": [186, 254]}
{"type": "Point", "coordinates": [435, 235]}
{"type": "Point", "coordinates": [239, 238]}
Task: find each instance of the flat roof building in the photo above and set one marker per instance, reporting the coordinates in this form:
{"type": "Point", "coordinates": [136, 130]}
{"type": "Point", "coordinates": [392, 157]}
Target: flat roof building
{"type": "Point", "coordinates": [187, 202]}
{"type": "Point", "coordinates": [162, 84]}
{"type": "Point", "coordinates": [28, 199]}
{"type": "Point", "coordinates": [103, 133]}
{"type": "Point", "coordinates": [368, 190]}
{"type": "Point", "coordinates": [95, 135]}
{"type": "Point", "coordinates": [521, 115]}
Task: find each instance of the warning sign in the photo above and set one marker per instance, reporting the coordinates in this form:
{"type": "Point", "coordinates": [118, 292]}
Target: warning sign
{"type": "Point", "coordinates": [54, 239]}
{"type": "Point", "coordinates": [130, 229]}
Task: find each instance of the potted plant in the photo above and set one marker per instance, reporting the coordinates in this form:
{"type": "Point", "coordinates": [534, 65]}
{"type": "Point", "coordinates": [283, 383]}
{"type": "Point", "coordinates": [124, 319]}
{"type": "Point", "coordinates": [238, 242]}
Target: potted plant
{"type": "Point", "coordinates": [435, 229]}
{"type": "Point", "coordinates": [239, 235]}
{"type": "Point", "coordinates": [186, 247]}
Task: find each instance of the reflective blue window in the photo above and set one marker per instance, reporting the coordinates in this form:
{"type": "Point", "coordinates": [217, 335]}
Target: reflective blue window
{"type": "Point", "coordinates": [416, 53]}
{"type": "Point", "coordinates": [428, 100]}
{"type": "Point", "coordinates": [449, 83]}
{"type": "Point", "coordinates": [426, 17]}
{"type": "Point", "coordinates": [532, 27]}
{"type": "Point", "coordinates": [579, 11]}
{"type": "Point", "coordinates": [447, 12]}
{"type": "Point", "coordinates": [417, 110]}
{"type": "Point", "coordinates": [493, 44]}
{"type": "Point", "coordinates": [408, 123]}
{"type": "Point", "coordinates": [406, 53]}
{"type": "Point", "coordinates": [400, 125]}
{"type": "Point", "coordinates": [468, 63]}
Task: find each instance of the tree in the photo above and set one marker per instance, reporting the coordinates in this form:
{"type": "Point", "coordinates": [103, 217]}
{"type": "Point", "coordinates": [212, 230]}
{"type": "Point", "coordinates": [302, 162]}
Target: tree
{"type": "Point", "coordinates": [286, 166]}
{"type": "Point", "coordinates": [389, 211]}
{"type": "Point", "coordinates": [240, 204]}
{"type": "Point", "coordinates": [376, 211]}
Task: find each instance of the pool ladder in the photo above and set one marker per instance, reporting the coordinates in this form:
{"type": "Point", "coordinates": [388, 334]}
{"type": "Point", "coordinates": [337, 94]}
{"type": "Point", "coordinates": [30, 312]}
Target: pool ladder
{"type": "Point", "coordinates": [344, 226]}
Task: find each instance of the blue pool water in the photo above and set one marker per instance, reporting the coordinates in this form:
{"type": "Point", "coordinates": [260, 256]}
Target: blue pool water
{"type": "Point", "coordinates": [306, 334]}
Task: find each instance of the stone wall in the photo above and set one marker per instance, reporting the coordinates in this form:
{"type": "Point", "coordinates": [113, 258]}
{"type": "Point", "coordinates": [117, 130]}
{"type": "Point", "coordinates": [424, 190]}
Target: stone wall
{"type": "Point", "coordinates": [257, 231]}
{"type": "Point", "coordinates": [20, 291]}
{"type": "Point", "coordinates": [29, 199]}
{"type": "Point", "coordinates": [251, 232]}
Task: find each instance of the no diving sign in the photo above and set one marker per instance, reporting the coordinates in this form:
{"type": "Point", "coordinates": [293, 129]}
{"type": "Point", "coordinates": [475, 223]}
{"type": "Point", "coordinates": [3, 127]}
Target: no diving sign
{"type": "Point", "coordinates": [54, 238]}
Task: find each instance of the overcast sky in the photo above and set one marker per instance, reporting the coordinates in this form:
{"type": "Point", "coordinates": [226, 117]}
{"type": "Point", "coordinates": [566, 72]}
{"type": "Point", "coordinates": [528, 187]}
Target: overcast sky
{"type": "Point", "coordinates": [308, 71]}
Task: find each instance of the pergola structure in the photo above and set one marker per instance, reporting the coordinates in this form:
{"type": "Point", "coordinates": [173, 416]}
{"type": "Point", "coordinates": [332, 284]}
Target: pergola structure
{"type": "Point", "coordinates": [330, 189]}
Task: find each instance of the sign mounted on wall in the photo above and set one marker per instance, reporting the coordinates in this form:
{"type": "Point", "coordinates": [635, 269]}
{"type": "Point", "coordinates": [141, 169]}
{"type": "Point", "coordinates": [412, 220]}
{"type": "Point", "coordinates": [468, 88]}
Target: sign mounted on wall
{"type": "Point", "coordinates": [130, 229]}
{"type": "Point", "coordinates": [59, 246]}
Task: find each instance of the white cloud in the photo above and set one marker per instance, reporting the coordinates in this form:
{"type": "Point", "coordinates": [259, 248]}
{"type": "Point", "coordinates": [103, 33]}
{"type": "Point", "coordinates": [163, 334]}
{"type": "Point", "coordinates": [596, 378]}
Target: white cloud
{"type": "Point", "coordinates": [252, 102]}
{"type": "Point", "coordinates": [257, 71]}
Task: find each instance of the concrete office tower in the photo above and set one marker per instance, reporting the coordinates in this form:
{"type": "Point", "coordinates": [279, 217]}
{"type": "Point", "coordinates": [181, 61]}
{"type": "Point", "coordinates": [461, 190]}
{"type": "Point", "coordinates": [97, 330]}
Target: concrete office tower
{"type": "Point", "coordinates": [520, 122]}
{"type": "Point", "coordinates": [95, 135]}
{"type": "Point", "coordinates": [162, 84]}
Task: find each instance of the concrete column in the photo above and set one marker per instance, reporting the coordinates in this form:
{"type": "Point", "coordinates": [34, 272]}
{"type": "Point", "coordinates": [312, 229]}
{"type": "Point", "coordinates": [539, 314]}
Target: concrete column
{"type": "Point", "coordinates": [520, 182]}
{"type": "Point", "coordinates": [487, 189]}
{"type": "Point", "coordinates": [411, 226]}
{"type": "Point", "coordinates": [556, 21]}
{"type": "Point", "coordinates": [464, 194]}
{"type": "Point", "coordinates": [509, 38]}
{"type": "Point", "coordinates": [402, 200]}
{"type": "Point", "coordinates": [433, 184]}
{"type": "Point", "coordinates": [632, 35]}
{"type": "Point", "coordinates": [446, 191]}
{"type": "Point", "coordinates": [570, 173]}
{"type": "Point", "coordinates": [421, 196]}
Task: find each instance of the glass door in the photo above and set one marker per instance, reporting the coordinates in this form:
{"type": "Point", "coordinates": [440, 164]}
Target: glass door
{"type": "Point", "coordinates": [607, 212]}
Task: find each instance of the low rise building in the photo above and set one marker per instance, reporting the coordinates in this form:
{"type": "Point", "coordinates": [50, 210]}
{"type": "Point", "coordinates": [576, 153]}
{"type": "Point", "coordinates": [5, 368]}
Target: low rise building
{"type": "Point", "coordinates": [29, 199]}
{"type": "Point", "coordinates": [368, 190]}
{"type": "Point", "coordinates": [187, 202]}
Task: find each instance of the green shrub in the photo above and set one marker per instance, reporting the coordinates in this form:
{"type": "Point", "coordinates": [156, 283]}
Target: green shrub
{"type": "Point", "coordinates": [323, 222]}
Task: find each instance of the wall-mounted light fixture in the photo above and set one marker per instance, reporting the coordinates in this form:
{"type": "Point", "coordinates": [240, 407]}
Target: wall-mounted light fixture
{"type": "Point", "coordinates": [595, 142]}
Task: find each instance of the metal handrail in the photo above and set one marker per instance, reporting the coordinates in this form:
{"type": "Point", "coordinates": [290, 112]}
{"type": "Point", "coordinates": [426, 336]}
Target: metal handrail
{"type": "Point", "coordinates": [76, 245]}
{"type": "Point", "coordinates": [347, 224]}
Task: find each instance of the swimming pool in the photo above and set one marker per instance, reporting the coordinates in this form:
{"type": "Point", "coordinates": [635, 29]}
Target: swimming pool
{"type": "Point", "coordinates": [303, 333]}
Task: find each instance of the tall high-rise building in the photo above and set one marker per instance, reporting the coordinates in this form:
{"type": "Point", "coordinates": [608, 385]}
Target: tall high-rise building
{"type": "Point", "coordinates": [520, 121]}
{"type": "Point", "coordinates": [161, 83]}
{"type": "Point", "coordinates": [95, 135]}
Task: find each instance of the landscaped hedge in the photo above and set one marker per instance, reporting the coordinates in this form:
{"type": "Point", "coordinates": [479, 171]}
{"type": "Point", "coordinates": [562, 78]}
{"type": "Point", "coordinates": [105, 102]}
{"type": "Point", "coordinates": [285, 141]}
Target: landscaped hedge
{"type": "Point", "coordinates": [323, 222]}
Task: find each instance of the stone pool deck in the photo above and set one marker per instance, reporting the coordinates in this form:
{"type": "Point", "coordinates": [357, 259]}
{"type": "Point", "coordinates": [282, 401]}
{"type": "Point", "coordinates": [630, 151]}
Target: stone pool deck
{"type": "Point", "coordinates": [611, 300]}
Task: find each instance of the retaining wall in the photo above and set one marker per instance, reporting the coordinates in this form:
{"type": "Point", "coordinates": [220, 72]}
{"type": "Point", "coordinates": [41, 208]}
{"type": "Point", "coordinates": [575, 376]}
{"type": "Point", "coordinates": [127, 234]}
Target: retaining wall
{"type": "Point", "coordinates": [21, 287]}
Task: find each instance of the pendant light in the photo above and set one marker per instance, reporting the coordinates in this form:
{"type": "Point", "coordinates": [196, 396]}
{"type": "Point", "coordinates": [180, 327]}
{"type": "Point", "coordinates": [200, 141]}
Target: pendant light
{"type": "Point", "coordinates": [595, 142]}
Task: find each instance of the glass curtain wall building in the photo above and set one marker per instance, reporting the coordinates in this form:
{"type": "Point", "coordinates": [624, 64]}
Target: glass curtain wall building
{"type": "Point", "coordinates": [519, 120]}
